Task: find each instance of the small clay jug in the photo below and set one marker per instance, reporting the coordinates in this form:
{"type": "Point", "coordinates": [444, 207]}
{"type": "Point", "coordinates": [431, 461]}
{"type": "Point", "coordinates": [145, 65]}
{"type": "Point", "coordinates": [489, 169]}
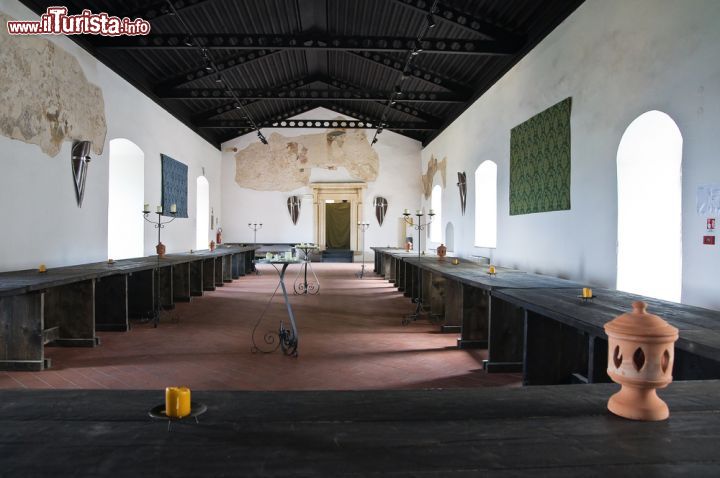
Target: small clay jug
{"type": "Point", "coordinates": [212, 245]}
{"type": "Point", "coordinates": [441, 252]}
{"type": "Point", "coordinates": [160, 249]}
{"type": "Point", "coordinates": [640, 358]}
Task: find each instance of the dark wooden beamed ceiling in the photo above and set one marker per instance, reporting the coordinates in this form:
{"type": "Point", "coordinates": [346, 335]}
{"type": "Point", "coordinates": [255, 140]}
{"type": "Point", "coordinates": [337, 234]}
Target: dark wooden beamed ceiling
{"type": "Point", "coordinates": [277, 58]}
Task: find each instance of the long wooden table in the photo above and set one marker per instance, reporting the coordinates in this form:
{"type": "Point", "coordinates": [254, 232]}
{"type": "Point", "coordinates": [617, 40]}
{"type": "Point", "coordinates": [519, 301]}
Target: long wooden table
{"type": "Point", "coordinates": [463, 295]}
{"type": "Point", "coordinates": [559, 321]}
{"type": "Point", "coordinates": [66, 305]}
{"type": "Point", "coordinates": [539, 325]}
{"type": "Point", "coordinates": [556, 431]}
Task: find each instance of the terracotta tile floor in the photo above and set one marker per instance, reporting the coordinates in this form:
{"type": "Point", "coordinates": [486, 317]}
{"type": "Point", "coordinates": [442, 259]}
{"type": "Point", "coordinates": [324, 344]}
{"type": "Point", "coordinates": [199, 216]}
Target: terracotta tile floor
{"type": "Point", "coordinates": [351, 338]}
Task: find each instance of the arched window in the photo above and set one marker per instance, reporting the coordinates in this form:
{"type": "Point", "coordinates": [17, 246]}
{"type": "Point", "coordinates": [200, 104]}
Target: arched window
{"type": "Point", "coordinates": [126, 193]}
{"type": "Point", "coordinates": [649, 169]}
{"type": "Point", "coordinates": [436, 206]}
{"type": "Point", "coordinates": [486, 205]}
{"type": "Point", "coordinates": [202, 212]}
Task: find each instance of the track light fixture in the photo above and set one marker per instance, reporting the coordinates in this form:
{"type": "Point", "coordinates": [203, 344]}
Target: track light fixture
{"type": "Point", "coordinates": [261, 137]}
{"type": "Point", "coordinates": [375, 140]}
{"type": "Point", "coordinates": [218, 79]}
{"type": "Point", "coordinates": [430, 20]}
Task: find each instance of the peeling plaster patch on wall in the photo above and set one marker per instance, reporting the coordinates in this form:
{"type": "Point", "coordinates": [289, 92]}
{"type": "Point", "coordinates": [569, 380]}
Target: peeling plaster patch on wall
{"type": "Point", "coordinates": [45, 98]}
{"type": "Point", "coordinates": [286, 163]}
{"type": "Point", "coordinates": [432, 168]}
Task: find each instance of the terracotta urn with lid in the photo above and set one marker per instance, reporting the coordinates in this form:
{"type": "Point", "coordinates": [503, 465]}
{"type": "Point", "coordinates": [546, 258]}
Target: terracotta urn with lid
{"type": "Point", "coordinates": [441, 252]}
{"type": "Point", "coordinates": [640, 358]}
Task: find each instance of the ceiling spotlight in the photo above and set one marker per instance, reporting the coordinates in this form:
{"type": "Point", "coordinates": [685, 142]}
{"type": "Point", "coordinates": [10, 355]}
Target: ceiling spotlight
{"type": "Point", "coordinates": [262, 138]}
{"type": "Point", "coordinates": [417, 47]}
{"type": "Point", "coordinates": [237, 106]}
{"type": "Point", "coordinates": [430, 20]}
{"type": "Point", "coordinates": [208, 67]}
{"type": "Point", "coordinates": [398, 91]}
{"type": "Point", "coordinates": [393, 102]}
{"type": "Point", "coordinates": [218, 79]}
{"type": "Point", "coordinates": [188, 41]}
{"type": "Point", "coordinates": [380, 130]}
{"type": "Point", "coordinates": [374, 141]}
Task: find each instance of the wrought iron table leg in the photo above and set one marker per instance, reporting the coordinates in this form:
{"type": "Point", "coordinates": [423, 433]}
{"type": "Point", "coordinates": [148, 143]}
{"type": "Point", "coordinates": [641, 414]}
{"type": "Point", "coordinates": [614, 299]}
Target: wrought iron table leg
{"type": "Point", "coordinates": [288, 338]}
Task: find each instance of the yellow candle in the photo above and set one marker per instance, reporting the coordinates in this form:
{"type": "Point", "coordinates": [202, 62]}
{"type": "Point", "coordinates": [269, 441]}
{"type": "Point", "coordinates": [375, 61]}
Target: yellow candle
{"type": "Point", "coordinates": [456, 261]}
{"type": "Point", "coordinates": [177, 402]}
{"type": "Point", "coordinates": [491, 270]}
{"type": "Point", "coordinates": [42, 268]}
{"type": "Point", "coordinates": [587, 292]}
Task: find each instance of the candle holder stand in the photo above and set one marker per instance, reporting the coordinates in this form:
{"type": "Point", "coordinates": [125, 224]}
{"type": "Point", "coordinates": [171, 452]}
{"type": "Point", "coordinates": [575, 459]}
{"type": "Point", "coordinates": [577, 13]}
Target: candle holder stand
{"type": "Point", "coordinates": [255, 226]}
{"type": "Point", "coordinates": [419, 226]}
{"type": "Point", "coordinates": [363, 226]}
{"type": "Point", "coordinates": [160, 249]}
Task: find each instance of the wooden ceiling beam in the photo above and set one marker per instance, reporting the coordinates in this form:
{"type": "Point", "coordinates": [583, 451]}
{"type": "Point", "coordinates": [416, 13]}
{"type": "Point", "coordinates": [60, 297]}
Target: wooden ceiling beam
{"type": "Point", "coordinates": [223, 65]}
{"type": "Point", "coordinates": [315, 94]}
{"type": "Point", "coordinates": [417, 72]}
{"type": "Point", "coordinates": [318, 123]}
{"type": "Point", "coordinates": [161, 9]}
{"type": "Point", "coordinates": [450, 15]}
{"type": "Point", "coordinates": [446, 46]}
{"type": "Point", "coordinates": [229, 106]}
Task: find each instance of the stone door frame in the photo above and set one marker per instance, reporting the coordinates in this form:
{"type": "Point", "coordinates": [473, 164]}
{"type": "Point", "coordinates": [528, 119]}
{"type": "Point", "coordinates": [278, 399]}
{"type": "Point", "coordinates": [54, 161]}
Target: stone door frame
{"type": "Point", "coordinates": [338, 192]}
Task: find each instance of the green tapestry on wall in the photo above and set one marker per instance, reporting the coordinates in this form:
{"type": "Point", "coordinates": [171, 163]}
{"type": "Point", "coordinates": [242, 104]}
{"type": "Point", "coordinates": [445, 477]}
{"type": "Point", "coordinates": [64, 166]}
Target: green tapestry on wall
{"type": "Point", "coordinates": [540, 162]}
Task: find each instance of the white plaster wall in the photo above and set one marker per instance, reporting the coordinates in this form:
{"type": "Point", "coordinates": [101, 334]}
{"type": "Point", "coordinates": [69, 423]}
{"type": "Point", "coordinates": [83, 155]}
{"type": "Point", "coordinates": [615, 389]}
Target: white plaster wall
{"type": "Point", "coordinates": [39, 218]}
{"type": "Point", "coordinates": [617, 59]}
{"type": "Point", "coordinates": [397, 181]}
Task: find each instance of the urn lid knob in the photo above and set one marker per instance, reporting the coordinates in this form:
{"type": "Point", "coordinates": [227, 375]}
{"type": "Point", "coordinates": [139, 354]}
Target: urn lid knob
{"type": "Point", "coordinates": [641, 323]}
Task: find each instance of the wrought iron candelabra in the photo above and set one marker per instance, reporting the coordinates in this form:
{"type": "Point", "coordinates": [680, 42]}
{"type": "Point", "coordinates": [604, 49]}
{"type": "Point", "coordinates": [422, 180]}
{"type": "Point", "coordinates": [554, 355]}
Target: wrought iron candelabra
{"type": "Point", "coordinates": [255, 226]}
{"type": "Point", "coordinates": [160, 249]}
{"type": "Point", "coordinates": [363, 226]}
{"type": "Point", "coordinates": [419, 227]}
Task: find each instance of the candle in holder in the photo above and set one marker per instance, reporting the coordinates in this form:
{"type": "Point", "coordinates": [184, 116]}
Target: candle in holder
{"type": "Point", "coordinates": [432, 212]}
{"type": "Point", "coordinates": [418, 212]}
{"type": "Point", "coordinates": [491, 270]}
{"type": "Point", "coordinates": [146, 208]}
{"type": "Point", "coordinates": [42, 268]}
{"type": "Point", "coordinates": [406, 211]}
{"type": "Point", "coordinates": [587, 293]}
{"type": "Point", "coordinates": [173, 208]}
{"type": "Point", "coordinates": [177, 402]}
{"type": "Point", "coordinates": [159, 209]}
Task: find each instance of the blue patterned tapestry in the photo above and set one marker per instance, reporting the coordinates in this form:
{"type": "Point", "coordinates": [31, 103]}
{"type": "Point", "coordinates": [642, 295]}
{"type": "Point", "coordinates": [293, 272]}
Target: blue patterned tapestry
{"type": "Point", "coordinates": [174, 186]}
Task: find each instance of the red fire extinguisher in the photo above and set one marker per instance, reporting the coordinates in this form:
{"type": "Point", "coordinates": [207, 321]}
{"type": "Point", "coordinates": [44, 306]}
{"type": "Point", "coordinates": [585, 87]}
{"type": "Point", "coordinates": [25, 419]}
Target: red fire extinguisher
{"type": "Point", "coordinates": [218, 236]}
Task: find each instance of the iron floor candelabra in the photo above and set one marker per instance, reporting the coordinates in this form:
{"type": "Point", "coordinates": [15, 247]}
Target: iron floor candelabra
{"type": "Point", "coordinates": [419, 227]}
{"type": "Point", "coordinates": [363, 226]}
{"type": "Point", "coordinates": [255, 226]}
{"type": "Point", "coordinates": [160, 249]}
